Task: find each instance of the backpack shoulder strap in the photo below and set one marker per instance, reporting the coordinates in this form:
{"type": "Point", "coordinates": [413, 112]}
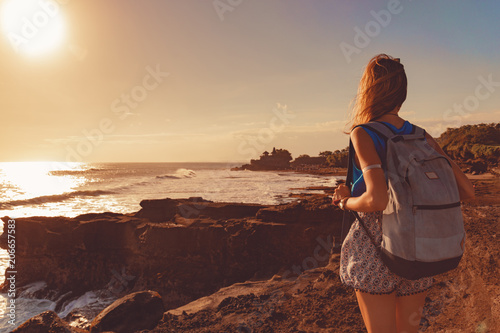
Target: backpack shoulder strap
{"type": "Point", "coordinates": [381, 129]}
{"type": "Point", "coordinates": [347, 218]}
{"type": "Point", "coordinates": [416, 134]}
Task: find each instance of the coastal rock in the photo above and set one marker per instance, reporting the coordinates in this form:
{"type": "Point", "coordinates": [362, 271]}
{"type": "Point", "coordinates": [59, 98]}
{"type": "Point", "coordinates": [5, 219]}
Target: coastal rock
{"type": "Point", "coordinates": [72, 254]}
{"type": "Point", "coordinates": [158, 210]}
{"type": "Point", "coordinates": [312, 301]}
{"type": "Point", "coordinates": [218, 210]}
{"type": "Point", "coordinates": [278, 159]}
{"type": "Point", "coordinates": [134, 312]}
{"type": "Point", "coordinates": [462, 300]}
{"type": "Point", "coordinates": [46, 322]}
{"type": "Point", "coordinates": [319, 211]}
{"type": "Point", "coordinates": [249, 274]}
{"type": "Point", "coordinates": [224, 243]}
{"type": "Point", "coordinates": [164, 210]}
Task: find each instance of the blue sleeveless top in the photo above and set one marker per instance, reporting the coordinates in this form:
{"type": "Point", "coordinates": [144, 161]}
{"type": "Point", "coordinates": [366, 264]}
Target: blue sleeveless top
{"type": "Point", "coordinates": [358, 182]}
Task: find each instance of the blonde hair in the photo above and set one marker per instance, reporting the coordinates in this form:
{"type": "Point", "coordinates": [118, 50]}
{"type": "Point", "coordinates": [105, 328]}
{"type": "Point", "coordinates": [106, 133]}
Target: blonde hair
{"type": "Point", "coordinates": [382, 89]}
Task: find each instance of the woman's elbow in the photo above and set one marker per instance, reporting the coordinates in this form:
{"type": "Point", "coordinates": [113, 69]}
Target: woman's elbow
{"type": "Point", "coordinates": [378, 202]}
{"type": "Point", "coordinates": [468, 193]}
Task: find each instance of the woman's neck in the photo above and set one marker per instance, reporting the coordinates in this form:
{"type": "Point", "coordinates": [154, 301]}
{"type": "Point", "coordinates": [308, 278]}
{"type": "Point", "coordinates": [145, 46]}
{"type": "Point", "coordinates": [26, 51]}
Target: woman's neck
{"type": "Point", "coordinates": [393, 119]}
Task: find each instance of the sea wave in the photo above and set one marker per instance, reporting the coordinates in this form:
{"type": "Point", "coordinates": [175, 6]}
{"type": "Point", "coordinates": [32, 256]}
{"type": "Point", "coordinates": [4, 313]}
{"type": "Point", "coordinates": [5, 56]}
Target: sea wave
{"type": "Point", "coordinates": [168, 177]}
{"type": "Point", "coordinates": [74, 172]}
{"type": "Point", "coordinates": [53, 198]}
{"type": "Point", "coordinates": [31, 298]}
{"type": "Point", "coordinates": [179, 174]}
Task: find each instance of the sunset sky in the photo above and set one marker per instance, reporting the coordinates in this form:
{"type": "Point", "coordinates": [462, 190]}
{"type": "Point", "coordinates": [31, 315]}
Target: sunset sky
{"type": "Point", "coordinates": [224, 80]}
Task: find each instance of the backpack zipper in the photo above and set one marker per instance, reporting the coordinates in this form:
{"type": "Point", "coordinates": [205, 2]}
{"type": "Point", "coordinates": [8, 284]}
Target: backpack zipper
{"type": "Point", "coordinates": [431, 207]}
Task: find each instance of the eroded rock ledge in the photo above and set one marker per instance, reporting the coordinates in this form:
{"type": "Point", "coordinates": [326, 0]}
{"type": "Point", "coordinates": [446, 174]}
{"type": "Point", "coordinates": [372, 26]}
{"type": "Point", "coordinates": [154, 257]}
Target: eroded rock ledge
{"type": "Point", "coordinates": [183, 249]}
{"type": "Point", "coordinates": [298, 298]}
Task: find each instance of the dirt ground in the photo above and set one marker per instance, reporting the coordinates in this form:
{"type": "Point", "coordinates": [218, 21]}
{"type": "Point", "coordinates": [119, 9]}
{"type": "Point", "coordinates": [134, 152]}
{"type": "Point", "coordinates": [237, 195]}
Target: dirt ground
{"type": "Point", "coordinates": [468, 298]}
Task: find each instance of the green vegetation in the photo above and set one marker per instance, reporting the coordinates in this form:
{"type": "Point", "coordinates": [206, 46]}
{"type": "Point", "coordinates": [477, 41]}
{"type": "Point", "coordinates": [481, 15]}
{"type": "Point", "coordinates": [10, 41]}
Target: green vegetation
{"type": "Point", "coordinates": [337, 159]}
{"type": "Point", "coordinates": [308, 160]}
{"type": "Point", "coordinates": [476, 148]}
{"type": "Point", "coordinates": [473, 143]}
{"type": "Point", "coordinates": [278, 159]}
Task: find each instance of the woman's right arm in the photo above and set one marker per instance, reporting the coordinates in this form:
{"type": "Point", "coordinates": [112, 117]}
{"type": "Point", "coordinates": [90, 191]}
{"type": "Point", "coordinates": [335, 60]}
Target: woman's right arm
{"type": "Point", "coordinates": [375, 198]}
{"type": "Point", "coordinates": [465, 187]}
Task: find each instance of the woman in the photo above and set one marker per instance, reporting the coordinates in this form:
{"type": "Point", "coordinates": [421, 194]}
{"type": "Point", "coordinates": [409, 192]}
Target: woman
{"type": "Point", "coordinates": [388, 303]}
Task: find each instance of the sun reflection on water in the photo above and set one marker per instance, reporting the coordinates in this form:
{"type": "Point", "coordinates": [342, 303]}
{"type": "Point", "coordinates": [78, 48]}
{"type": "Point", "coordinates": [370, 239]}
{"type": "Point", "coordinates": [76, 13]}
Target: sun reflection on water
{"type": "Point", "coordinates": [20, 180]}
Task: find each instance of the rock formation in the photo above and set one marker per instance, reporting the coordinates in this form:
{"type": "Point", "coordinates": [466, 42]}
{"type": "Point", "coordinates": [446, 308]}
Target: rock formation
{"type": "Point", "coordinates": [183, 249]}
{"type": "Point", "coordinates": [137, 311]}
{"type": "Point", "coordinates": [46, 322]}
{"type": "Point", "coordinates": [264, 269]}
{"type": "Point", "coordinates": [279, 159]}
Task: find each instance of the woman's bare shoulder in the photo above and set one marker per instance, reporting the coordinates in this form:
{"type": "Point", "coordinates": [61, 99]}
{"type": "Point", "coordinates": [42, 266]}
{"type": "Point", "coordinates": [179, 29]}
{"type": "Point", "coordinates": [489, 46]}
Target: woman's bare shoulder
{"type": "Point", "coordinates": [359, 134]}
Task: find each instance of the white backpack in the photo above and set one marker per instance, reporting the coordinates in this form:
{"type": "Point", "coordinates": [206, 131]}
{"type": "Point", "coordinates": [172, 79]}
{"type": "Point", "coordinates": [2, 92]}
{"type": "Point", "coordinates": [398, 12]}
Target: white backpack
{"type": "Point", "coordinates": [422, 227]}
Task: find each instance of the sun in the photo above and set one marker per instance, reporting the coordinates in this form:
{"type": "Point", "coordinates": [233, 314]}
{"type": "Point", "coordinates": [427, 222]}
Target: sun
{"type": "Point", "coordinates": [33, 27]}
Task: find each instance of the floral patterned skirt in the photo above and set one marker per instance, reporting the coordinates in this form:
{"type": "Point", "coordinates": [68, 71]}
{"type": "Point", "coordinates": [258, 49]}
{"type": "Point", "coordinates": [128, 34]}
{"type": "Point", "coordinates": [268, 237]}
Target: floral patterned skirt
{"type": "Point", "coordinates": [362, 268]}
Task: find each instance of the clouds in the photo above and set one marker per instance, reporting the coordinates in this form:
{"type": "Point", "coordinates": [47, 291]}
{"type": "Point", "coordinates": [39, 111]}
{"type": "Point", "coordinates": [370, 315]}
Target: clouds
{"type": "Point", "coordinates": [437, 125]}
{"type": "Point", "coordinates": [226, 76]}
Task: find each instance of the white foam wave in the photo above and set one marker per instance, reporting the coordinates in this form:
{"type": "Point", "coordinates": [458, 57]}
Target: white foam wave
{"type": "Point", "coordinates": [52, 198]}
{"type": "Point", "coordinates": [25, 308]}
{"type": "Point", "coordinates": [179, 174]}
{"type": "Point", "coordinates": [90, 302]}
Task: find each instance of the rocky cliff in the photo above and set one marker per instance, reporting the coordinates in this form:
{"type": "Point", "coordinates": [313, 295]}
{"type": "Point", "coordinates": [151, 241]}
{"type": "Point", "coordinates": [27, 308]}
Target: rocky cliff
{"type": "Point", "coordinates": [183, 249]}
{"type": "Point", "coordinates": [260, 269]}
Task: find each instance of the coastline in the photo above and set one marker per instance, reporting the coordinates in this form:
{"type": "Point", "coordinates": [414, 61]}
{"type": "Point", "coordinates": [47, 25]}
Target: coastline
{"type": "Point", "coordinates": [324, 171]}
{"type": "Point", "coordinates": [224, 243]}
{"type": "Point", "coordinates": [311, 298]}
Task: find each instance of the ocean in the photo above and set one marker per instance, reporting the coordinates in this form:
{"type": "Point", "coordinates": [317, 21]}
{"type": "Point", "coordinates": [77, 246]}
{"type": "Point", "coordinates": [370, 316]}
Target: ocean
{"type": "Point", "coordinates": [71, 189]}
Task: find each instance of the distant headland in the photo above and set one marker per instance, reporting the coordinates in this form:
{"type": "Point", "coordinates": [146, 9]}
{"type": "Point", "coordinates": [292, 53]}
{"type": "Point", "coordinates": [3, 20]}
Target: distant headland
{"type": "Point", "coordinates": [476, 149]}
{"type": "Point", "coordinates": [326, 162]}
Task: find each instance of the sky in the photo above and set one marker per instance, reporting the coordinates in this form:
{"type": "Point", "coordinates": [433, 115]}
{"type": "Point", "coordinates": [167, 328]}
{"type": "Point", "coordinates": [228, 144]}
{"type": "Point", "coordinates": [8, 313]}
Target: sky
{"type": "Point", "coordinates": [224, 80]}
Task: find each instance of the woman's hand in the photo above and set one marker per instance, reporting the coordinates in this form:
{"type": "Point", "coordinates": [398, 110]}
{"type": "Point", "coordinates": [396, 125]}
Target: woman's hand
{"type": "Point", "coordinates": [341, 191]}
